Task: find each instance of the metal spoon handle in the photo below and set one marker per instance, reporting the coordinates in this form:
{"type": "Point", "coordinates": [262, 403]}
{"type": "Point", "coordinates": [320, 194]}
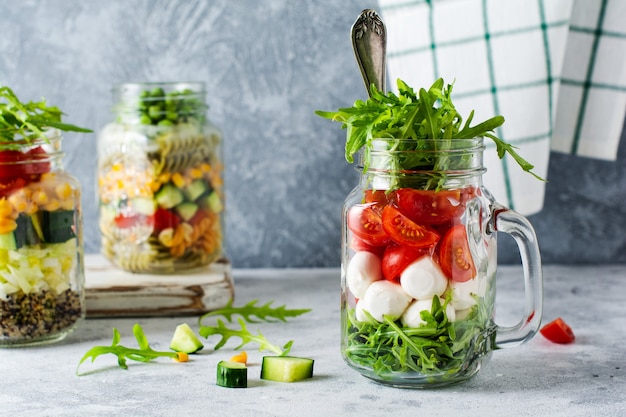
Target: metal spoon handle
{"type": "Point", "coordinates": [369, 41]}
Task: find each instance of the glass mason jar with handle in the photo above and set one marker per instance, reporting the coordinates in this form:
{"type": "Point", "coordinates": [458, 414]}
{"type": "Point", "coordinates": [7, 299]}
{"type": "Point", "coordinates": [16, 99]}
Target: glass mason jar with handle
{"type": "Point", "coordinates": [419, 264]}
{"type": "Point", "coordinates": [160, 180]}
{"type": "Point", "coordinates": [41, 246]}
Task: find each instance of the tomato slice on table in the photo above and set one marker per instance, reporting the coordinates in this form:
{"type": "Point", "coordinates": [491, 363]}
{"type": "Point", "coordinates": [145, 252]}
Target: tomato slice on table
{"type": "Point", "coordinates": [455, 258]}
{"type": "Point", "coordinates": [405, 231]}
{"type": "Point", "coordinates": [558, 331]}
{"type": "Point", "coordinates": [397, 258]}
{"type": "Point", "coordinates": [430, 207]}
{"type": "Point", "coordinates": [365, 222]}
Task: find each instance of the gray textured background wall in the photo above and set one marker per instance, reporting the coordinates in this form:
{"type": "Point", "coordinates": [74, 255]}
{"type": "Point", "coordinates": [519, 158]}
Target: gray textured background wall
{"type": "Point", "coordinates": [268, 64]}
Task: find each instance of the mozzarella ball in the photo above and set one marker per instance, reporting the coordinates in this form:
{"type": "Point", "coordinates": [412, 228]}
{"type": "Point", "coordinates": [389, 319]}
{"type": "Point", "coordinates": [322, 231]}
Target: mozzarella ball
{"type": "Point", "coordinates": [363, 269]}
{"type": "Point", "coordinates": [384, 298]}
{"type": "Point", "coordinates": [412, 318]}
{"type": "Point", "coordinates": [358, 312]}
{"type": "Point", "coordinates": [423, 279]}
{"type": "Point", "coordinates": [464, 293]}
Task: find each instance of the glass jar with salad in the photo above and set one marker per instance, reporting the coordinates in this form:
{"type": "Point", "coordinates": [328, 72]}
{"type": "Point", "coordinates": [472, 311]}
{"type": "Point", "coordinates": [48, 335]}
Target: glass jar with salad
{"type": "Point", "coordinates": [160, 180]}
{"type": "Point", "coordinates": [41, 247]}
{"type": "Point", "coordinates": [419, 243]}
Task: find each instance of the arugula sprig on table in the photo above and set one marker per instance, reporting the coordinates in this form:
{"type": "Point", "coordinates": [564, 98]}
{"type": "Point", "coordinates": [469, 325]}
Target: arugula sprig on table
{"type": "Point", "coordinates": [248, 312]}
{"type": "Point", "coordinates": [251, 310]}
{"type": "Point", "coordinates": [144, 353]}
{"type": "Point", "coordinates": [415, 118]}
{"type": "Point", "coordinates": [251, 313]}
{"type": "Point", "coordinates": [28, 121]}
{"type": "Point", "coordinates": [245, 335]}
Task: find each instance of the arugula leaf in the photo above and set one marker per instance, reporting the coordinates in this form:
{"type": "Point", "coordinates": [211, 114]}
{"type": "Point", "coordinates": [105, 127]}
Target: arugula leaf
{"type": "Point", "coordinates": [265, 312]}
{"type": "Point", "coordinates": [245, 336]}
{"type": "Point", "coordinates": [143, 354]}
{"type": "Point", "coordinates": [28, 121]}
{"type": "Point", "coordinates": [429, 114]}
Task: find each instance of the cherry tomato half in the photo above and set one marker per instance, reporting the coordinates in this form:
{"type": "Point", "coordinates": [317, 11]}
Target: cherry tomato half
{"type": "Point", "coordinates": [397, 258]}
{"type": "Point", "coordinates": [558, 331]}
{"type": "Point", "coordinates": [430, 207]}
{"type": "Point", "coordinates": [365, 222]}
{"type": "Point", "coordinates": [455, 258]}
{"type": "Point", "coordinates": [405, 231]}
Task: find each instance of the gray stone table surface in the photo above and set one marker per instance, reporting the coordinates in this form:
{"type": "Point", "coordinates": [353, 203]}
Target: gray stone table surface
{"type": "Point", "coordinates": [539, 378]}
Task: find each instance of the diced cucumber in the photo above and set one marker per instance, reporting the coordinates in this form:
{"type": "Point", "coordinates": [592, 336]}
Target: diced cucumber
{"type": "Point", "coordinates": [232, 374]}
{"type": "Point", "coordinates": [28, 231]}
{"type": "Point", "coordinates": [7, 241]}
{"type": "Point", "coordinates": [286, 368]}
{"type": "Point", "coordinates": [214, 202]}
{"type": "Point", "coordinates": [196, 189]}
{"type": "Point", "coordinates": [185, 340]}
{"type": "Point", "coordinates": [58, 226]}
{"type": "Point", "coordinates": [145, 206]}
{"type": "Point", "coordinates": [169, 196]}
{"type": "Point", "coordinates": [186, 210]}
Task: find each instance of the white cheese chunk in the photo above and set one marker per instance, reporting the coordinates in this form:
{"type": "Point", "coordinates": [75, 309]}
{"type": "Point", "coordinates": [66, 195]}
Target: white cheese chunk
{"type": "Point", "coordinates": [423, 279]}
{"type": "Point", "coordinates": [412, 318]}
{"type": "Point", "coordinates": [464, 293]}
{"type": "Point", "coordinates": [363, 269]}
{"type": "Point", "coordinates": [384, 298]}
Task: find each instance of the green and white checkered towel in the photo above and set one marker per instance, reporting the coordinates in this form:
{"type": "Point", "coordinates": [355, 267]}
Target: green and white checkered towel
{"type": "Point", "coordinates": [555, 69]}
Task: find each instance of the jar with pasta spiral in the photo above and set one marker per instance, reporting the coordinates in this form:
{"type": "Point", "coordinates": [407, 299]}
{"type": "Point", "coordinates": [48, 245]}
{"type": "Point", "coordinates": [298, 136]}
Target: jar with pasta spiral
{"type": "Point", "coordinates": [41, 246]}
{"type": "Point", "coordinates": [160, 180]}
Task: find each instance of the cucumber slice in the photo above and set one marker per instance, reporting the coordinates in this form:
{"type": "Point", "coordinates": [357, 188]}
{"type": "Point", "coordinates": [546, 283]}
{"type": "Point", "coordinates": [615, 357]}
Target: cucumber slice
{"type": "Point", "coordinates": [232, 374]}
{"type": "Point", "coordinates": [214, 202]}
{"type": "Point", "coordinates": [57, 226]}
{"type": "Point", "coordinates": [196, 189]}
{"type": "Point", "coordinates": [185, 340]}
{"type": "Point", "coordinates": [28, 231]}
{"type": "Point", "coordinates": [7, 241]}
{"type": "Point", "coordinates": [186, 210]}
{"type": "Point", "coordinates": [145, 206]}
{"type": "Point", "coordinates": [169, 196]}
{"type": "Point", "coordinates": [286, 368]}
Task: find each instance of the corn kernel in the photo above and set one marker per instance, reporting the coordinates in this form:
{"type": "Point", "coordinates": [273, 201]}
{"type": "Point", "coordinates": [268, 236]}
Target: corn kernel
{"type": "Point", "coordinates": [205, 167]}
{"type": "Point", "coordinates": [52, 205]}
{"type": "Point", "coordinates": [40, 197]}
{"type": "Point", "coordinates": [63, 191]}
{"type": "Point", "coordinates": [195, 173]}
{"type": "Point", "coordinates": [31, 208]}
{"type": "Point", "coordinates": [19, 202]}
{"type": "Point", "coordinates": [5, 208]}
{"type": "Point", "coordinates": [7, 225]}
{"type": "Point", "coordinates": [178, 180]}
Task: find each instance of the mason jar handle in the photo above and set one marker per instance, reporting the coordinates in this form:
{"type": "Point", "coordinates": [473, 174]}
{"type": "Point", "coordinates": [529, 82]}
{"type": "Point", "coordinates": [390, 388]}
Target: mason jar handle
{"type": "Point", "coordinates": [516, 225]}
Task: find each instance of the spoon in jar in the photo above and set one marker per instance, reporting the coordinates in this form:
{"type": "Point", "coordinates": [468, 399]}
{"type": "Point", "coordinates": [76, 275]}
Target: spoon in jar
{"type": "Point", "coordinates": [369, 41]}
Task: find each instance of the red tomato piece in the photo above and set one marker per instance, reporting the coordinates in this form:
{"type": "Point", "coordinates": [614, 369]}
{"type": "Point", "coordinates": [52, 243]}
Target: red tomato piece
{"type": "Point", "coordinates": [10, 166]}
{"type": "Point", "coordinates": [376, 196]}
{"type": "Point", "coordinates": [164, 219]}
{"type": "Point", "coordinates": [430, 207]}
{"type": "Point", "coordinates": [455, 258]}
{"type": "Point", "coordinates": [125, 221]}
{"type": "Point", "coordinates": [404, 231]}
{"type": "Point", "coordinates": [397, 258]}
{"type": "Point", "coordinates": [358, 245]}
{"type": "Point", "coordinates": [365, 222]}
{"type": "Point", "coordinates": [558, 331]}
{"type": "Point", "coordinates": [9, 185]}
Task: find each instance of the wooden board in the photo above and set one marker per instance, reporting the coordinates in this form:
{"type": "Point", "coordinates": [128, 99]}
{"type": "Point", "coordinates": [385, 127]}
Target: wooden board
{"type": "Point", "coordinates": [113, 292]}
